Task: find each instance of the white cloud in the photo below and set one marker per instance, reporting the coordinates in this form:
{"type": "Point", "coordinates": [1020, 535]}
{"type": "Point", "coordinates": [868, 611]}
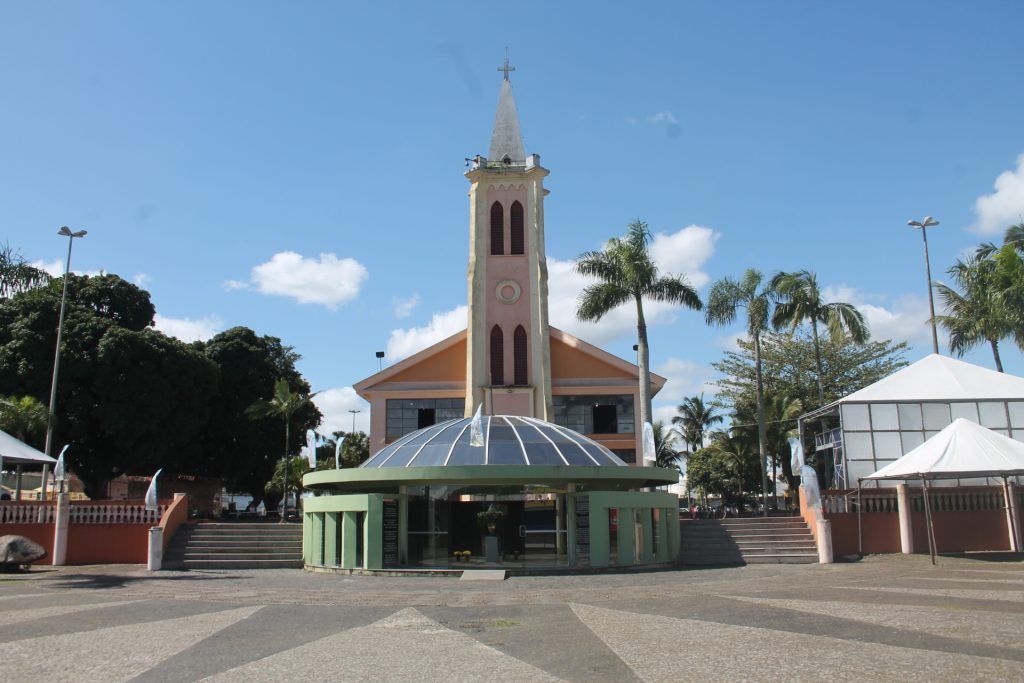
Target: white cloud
{"type": "Point", "coordinates": [901, 318]}
{"type": "Point", "coordinates": [662, 117]}
{"type": "Point", "coordinates": [335, 404]}
{"type": "Point", "coordinates": [683, 252]}
{"type": "Point", "coordinates": [232, 285]}
{"type": "Point", "coordinates": [54, 268]}
{"type": "Point", "coordinates": [188, 330]}
{"type": "Point", "coordinates": [404, 343]}
{"type": "Point", "coordinates": [141, 279]}
{"type": "Point", "coordinates": [328, 281]}
{"type": "Point", "coordinates": [403, 307]}
{"type": "Point", "coordinates": [1004, 207]}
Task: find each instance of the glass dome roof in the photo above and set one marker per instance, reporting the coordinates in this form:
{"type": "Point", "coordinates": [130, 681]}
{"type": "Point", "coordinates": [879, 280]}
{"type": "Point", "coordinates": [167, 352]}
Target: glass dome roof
{"type": "Point", "coordinates": [508, 440]}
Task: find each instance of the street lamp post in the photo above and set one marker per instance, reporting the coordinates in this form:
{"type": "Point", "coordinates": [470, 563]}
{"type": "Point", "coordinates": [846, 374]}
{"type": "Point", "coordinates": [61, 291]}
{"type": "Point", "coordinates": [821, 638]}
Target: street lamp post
{"type": "Point", "coordinates": [51, 418]}
{"type": "Point", "coordinates": [924, 225]}
{"type": "Point", "coordinates": [354, 419]}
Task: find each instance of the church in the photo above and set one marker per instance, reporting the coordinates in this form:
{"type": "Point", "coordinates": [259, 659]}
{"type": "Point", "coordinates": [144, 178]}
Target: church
{"type": "Point", "coordinates": [543, 479]}
{"type": "Point", "coordinates": [509, 359]}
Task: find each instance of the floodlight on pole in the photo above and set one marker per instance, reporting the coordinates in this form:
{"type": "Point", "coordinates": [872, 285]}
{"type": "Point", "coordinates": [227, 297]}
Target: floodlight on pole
{"type": "Point", "coordinates": [65, 231]}
{"type": "Point", "coordinates": [354, 419]}
{"type": "Point", "coordinates": [923, 226]}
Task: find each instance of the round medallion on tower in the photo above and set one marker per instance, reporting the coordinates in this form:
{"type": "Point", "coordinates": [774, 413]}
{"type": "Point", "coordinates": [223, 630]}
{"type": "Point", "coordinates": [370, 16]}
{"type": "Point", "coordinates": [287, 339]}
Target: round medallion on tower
{"type": "Point", "coordinates": [508, 291]}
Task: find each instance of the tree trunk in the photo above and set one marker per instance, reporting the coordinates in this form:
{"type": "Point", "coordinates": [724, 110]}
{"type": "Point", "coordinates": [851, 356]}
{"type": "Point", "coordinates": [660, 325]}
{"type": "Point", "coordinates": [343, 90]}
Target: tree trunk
{"type": "Point", "coordinates": [995, 354]}
{"type": "Point", "coordinates": [284, 484]}
{"type": "Point", "coordinates": [817, 362]}
{"type": "Point", "coordinates": [762, 436]}
{"type": "Point", "coordinates": [645, 371]}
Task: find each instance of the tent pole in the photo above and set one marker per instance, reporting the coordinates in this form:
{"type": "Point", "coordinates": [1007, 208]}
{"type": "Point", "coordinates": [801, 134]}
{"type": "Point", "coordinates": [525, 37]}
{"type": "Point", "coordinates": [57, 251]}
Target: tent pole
{"type": "Point", "coordinates": [928, 518]}
{"type": "Point", "coordinates": [860, 529]}
{"type": "Point", "coordinates": [1010, 515]}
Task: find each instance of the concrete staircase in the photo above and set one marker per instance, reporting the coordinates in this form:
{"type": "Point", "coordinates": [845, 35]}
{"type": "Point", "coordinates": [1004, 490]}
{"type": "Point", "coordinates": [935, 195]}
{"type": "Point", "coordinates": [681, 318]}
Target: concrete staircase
{"type": "Point", "coordinates": [747, 540]}
{"type": "Point", "coordinates": [235, 545]}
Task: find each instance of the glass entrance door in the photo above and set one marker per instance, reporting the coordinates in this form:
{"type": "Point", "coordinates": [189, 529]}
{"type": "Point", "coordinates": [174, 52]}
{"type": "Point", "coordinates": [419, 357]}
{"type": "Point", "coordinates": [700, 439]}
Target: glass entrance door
{"type": "Point", "coordinates": [542, 533]}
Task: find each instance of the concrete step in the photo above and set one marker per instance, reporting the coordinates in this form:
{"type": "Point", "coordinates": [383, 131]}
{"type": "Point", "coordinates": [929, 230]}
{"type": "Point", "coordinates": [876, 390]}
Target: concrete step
{"type": "Point", "coordinates": [242, 564]}
{"type": "Point", "coordinates": [782, 558]}
{"type": "Point", "coordinates": [241, 556]}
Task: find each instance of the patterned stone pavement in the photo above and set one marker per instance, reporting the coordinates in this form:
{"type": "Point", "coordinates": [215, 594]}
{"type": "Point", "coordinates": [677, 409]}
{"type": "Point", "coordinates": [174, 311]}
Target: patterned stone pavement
{"type": "Point", "coordinates": [885, 618]}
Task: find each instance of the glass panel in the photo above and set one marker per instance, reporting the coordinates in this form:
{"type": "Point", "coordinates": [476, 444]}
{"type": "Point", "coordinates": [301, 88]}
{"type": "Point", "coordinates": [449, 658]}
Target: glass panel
{"type": "Point", "coordinates": [1018, 434]}
{"type": "Point", "coordinates": [1016, 413]}
{"type": "Point", "coordinates": [1004, 432]}
{"type": "Point", "coordinates": [883, 416]}
{"type": "Point", "coordinates": [858, 469]}
{"type": "Point", "coordinates": [968, 411]}
{"type": "Point", "coordinates": [858, 445]}
{"type": "Point", "coordinates": [887, 445]}
{"type": "Point", "coordinates": [578, 413]}
{"type": "Point", "coordinates": [910, 416]}
{"type": "Point", "coordinates": [911, 440]}
{"type": "Point", "coordinates": [993, 414]}
{"type": "Point", "coordinates": [855, 417]}
{"type": "Point", "coordinates": [936, 415]}
{"type": "Point", "coordinates": [503, 446]}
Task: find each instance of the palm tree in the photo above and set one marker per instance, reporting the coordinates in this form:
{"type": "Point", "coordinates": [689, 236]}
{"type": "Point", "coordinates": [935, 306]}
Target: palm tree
{"type": "Point", "coordinates": [664, 438]}
{"type": "Point", "coordinates": [977, 313]}
{"type": "Point", "coordinates": [780, 420]}
{"type": "Point", "coordinates": [727, 296]}
{"type": "Point", "coordinates": [284, 403]}
{"type": "Point", "coordinates": [23, 417]}
{"type": "Point", "coordinates": [626, 273]}
{"type": "Point", "coordinates": [694, 418]}
{"type": "Point", "coordinates": [16, 274]}
{"type": "Point", "coordinates": [799, 300]}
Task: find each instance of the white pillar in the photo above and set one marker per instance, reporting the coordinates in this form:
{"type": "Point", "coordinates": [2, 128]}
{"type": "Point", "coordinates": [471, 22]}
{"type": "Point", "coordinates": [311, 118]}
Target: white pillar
{"type": "Point", "coordinates": [43, 482]}
{"type": "Point", "coordinates": [60, 530]}
{"type": "Point", "coordinates": [1012, 516]}
{"type": "Point", "coordinates": [906, 529]}
{"type": "Point", "coordinates": [156, 548]}
{"type": "Point", "coordinates": [824, 540]}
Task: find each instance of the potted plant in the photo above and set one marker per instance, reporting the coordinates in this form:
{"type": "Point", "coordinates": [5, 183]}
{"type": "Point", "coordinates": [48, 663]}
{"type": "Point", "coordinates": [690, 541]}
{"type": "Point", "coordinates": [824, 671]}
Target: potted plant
{"type": "Point", "coordinates": [490, 521]}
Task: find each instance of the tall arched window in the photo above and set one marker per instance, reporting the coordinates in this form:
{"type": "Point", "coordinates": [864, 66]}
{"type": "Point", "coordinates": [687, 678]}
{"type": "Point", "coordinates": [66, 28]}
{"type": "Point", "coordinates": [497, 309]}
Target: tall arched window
{"type": "Point", "coordinates": [497, 357]}
{"type": "Point", "coordinates": [517, 239]}
{"type": "Point", "coordinates": [519, 356]}
{"type": "Point", "coordinates": [497, 229]}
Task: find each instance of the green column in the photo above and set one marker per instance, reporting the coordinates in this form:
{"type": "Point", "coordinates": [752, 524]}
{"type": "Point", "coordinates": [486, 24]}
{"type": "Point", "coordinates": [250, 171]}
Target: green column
{"type": "Point", "coordinates": [627, 539]}
{"type": "Point", "coordinates": [331, 539]}
{"type": "Point", "coordinates": [599, 535]}
{"type": "Point", "coordinates": [316, 545]}
{"type": "Point", "coordinates": [570, 527]}
{"type": "Point", "coordinates": [307, 534]}
{"type": "Point", "coordinates": [662, 554]}
{"type": "Point", "coordinates": [403, 525]}
{"type": "Point", "coordinates": [349, 529]}
{"type": "Point", "coordinates": [373, 534]}
{"type": "Point", "coordinates": [673, 535]}
{"type": "Point", "coordinates": [647, 529]}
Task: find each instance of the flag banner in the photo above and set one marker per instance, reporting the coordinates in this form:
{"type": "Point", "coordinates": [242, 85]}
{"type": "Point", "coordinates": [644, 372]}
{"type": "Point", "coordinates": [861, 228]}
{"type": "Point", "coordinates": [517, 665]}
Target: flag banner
{"type": "Point", "coordinates": [649, 448]}
{"type": "Point", "coordinates": [796, 462]}
{"type": "Point", "coordinates": [337, 452]}
{"type": "Point", "coordinates": [151, 499]}
{"type": "Point", "coordinates": [58, 469]}
{"type": "Point", "coordinates": [476, 427]}
{"type": "Point", "coordinates": [311, 448]}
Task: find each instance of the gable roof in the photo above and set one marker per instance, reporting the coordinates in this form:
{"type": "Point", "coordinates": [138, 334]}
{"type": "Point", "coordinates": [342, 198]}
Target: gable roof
{"type": "Point", "coordinates": [961, 450]}
{"type": "Point", "coordinates": [394, 372]}
{"type": "Point", "coordinates": [936, 377]}
{"type": "Point", "coordinates": [14, 451]}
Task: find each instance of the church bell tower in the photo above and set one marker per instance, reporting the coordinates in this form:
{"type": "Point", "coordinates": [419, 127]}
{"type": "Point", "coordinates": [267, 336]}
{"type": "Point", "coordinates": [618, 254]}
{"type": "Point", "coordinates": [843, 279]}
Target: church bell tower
{"type": "Point", "coordinates": [508, 360]}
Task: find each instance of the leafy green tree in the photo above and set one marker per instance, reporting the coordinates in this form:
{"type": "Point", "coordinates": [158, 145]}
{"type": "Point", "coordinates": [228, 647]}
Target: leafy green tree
{"type": "Point", "coordinates": [18, 275]}
{"type": "Point", "coordinates": [354, 451]}
{"type": "Point", "coordinates": [727, 467]}
{"type": "Point", "coordinates": [291, 469]}
{"type": "Point", "coordinates": [283, 404]}
{"type": "Point", "coordinates": [790, 369]}
{"type": "Point", "coordinates": [726, 299]}
{"type": "Point", "coordinates": [122, 387]}
{"type": "Point", "coordinates": [800, 301]}
{"type": "Point", "coordinates": [694, 418]}
{"type": "Point", "coordinates": [240, 449]}
{"type": "Point", "coordinates": [780, 421]}
{"type": "Point", "coordinates": [625, 274]}
{"type": "Point", "coordinates": [23, 417]}
{"type": "Point", "coordinates": [978, 312]}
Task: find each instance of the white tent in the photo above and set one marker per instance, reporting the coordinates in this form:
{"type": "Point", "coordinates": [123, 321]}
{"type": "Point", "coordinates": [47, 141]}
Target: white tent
{"type": "Point", "coordinates": [940, 377]}
{"type": "Point", "coordinates": [14, 451]}
{"type": "Point", "coordinates": [960, 451]}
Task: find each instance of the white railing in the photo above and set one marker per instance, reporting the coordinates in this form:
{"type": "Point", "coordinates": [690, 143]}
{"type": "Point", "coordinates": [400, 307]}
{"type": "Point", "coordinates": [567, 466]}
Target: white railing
{"type": "Point", "coordinates": [80, 513]}
{"type": "Point", "coordinates": [965, 499]}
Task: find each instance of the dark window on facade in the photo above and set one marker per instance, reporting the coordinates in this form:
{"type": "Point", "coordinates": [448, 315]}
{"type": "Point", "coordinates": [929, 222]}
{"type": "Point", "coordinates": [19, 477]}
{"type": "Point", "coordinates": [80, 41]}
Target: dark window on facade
{"type": "Point", "coordinates": [497, 229]}
{"type": "Point", "coordinates": [497, 357]}
{"type": "Point", "coordinates": [517, 238]}
{"type": "Point", "coordinates": [605, 420]}
{"type": "Point", "coordinates": [595, 414]}
{"type": "Point", "coordinates": [425, 418]}
{"type": "Point", "coordinates": [408, 415]}
{"type": "Point", "coordinates": [519, 355]}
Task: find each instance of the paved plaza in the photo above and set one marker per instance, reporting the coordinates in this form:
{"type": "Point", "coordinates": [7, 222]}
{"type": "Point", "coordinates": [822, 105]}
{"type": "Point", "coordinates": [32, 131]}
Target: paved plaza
{"type": "Point", "coordinates": [882, 619]}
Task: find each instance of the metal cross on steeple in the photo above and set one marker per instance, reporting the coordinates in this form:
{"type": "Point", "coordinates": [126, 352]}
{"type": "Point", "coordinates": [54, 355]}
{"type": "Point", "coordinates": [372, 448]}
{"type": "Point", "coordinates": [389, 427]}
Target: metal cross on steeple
{"type": "Point", "coordinates": [506, 68]}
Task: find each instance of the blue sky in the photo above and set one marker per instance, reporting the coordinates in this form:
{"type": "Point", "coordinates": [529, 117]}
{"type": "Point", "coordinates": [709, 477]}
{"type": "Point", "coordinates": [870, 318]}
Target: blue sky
{"type": "Point", "coordinates": [297, 167]}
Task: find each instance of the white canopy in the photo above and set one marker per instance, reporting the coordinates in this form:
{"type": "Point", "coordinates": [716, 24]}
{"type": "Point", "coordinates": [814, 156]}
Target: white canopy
{"type": "Point", "coordinates": [14, 451]}
{"type": "Point", "coordinates": [936, 377]}
{"type": "Point", "coordinates": [960, 451]}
